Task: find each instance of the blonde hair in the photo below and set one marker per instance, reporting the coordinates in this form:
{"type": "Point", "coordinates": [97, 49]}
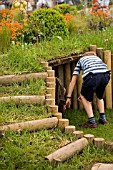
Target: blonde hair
{"type": "Point", "coordinates": [89, 53]}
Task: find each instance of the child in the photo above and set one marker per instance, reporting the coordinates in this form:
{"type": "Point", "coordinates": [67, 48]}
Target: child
{"type": "Point", "coordinates": [95, 79]}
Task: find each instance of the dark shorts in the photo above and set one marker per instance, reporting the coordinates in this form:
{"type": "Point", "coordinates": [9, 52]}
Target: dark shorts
{"type": "Point", "coordinates": [95, 83]}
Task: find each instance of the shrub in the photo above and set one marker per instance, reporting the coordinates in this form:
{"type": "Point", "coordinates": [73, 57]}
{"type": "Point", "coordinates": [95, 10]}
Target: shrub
{"type": "Point", "coordinates": [78, 24]}
{"type": "Point", "coordinates": [65, 8]}
{"type": "Point", "coordinates": [47, 23]}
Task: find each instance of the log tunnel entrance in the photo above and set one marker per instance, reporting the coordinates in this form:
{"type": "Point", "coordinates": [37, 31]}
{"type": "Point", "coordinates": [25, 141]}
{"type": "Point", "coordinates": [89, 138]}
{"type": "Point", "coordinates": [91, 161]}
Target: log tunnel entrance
{"type": "Point", "coordinates": [63, 71]}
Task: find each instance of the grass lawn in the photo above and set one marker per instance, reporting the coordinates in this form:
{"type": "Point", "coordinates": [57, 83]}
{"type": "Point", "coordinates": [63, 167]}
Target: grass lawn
{"type": "Point", "coordinates": [27, 87]}
{"type": "Point", "coordinates": [11, 113]}
{"type": "Point", "coordinates": [77, 117]}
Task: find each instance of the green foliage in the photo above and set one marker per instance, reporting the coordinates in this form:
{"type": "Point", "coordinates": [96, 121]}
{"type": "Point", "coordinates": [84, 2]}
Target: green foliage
{"type": "Point", "coordinates": [65, 8]}
{"type": "Point", "coordinates": [20, 60]}
{"type": "Point", "coordinates": [10, 112]}
{"type": "Point", "coordinates": [98, 22]}
{"type": "Point", "coordinates": [5, 38]}
{"type": "Point", "coordinates": [27, 87]}
{"type": "Point", "coordinates": [47, 23]}
{"type": "Point", "coordinates": [78, 24]}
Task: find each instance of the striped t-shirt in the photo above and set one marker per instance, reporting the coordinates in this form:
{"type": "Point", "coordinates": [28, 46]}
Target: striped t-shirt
{"type": "Point", "coordinates": [90, 64]}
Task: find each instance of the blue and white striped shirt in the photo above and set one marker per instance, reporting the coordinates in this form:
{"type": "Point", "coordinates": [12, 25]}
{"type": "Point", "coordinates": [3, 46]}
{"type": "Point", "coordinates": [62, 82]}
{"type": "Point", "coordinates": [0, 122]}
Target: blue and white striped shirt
{"type": "Point", "coordinates": [90, 64]}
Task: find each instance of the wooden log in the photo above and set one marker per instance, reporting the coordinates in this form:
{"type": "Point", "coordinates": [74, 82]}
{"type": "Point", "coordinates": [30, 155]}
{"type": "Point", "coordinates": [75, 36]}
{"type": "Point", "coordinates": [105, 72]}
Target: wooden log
{"type": "Point", "coordinates": [79, 85]}
{"type": "Point", "coordinates": [69, 129]}
{"type": "Point", "coordinates": [63, 123]}
{"type": "Point", "coordinates": [50, 102]}
{"type": "Point", "coordinates": [108, 91]}
{"type": "Point", "coordinates": [58, 115]}
{"type": "Point", "coordinates": [20, 78]}
{"type": "Point", "coordinates": [61, 73]}
{"type": "Point", "coordinates": [49, 68]}
{"type": "Point", "coordinates": [67, 76]}
{"type": "Point", "coordinates": [48, 96]}
{"type": "Point", "coordinates": [51, 79]}
{"type": "Point", "coordinates": [51, 73]}
{"type": "Point", "coordinates": [68, 151]}
{"type": "Point", "coordinates": [89, 137]}
{"type": "Point", "coordinates": [45, 64]}
{"type": "Point", "coordinates": [25, 99]}
{"type": "Point", "coordinates": [78, 134]}
{"type": "Point", "coordinates": [99, 142]}
{"type": "Point", "coordinates": [74, 94]}
{"type": "Point", "coordinates": [108, 145]}
{"type": "Point", "coordinates": [93, 48]}
{"type": "Point", "coordinates": [112, 73]}
{"type": "Point", "coordinates": [102, 166]}
{"type": "Point", "coordinates": [51, 91]}
{"type": "Point", "coordinates": [100, 53]}
{"type": "Point", "coordinates": [45, 123]}
{"type": "Point", "coordinates": [53, 109]}
{"type": "Point", "coordinates": [50, 84]}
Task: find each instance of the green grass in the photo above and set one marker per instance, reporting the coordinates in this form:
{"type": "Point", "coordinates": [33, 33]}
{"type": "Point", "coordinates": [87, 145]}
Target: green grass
{"type": "Point", "coordinates": [28, 151]}
{"type": "Point", "coordinates": [27, 87]}
{"type": "Point", "coordinates": [77, 117]}
{"type": "Point", "coordinates": [11, 113]}
{"type": "Point", "coordinates": [20, 60]}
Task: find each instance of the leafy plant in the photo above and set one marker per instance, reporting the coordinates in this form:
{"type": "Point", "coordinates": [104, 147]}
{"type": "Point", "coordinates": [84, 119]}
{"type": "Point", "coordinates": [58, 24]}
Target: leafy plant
{"type": "Point", "coordinates": [65, 8]}
{"type": "Point", "coordinates": [49, 22]}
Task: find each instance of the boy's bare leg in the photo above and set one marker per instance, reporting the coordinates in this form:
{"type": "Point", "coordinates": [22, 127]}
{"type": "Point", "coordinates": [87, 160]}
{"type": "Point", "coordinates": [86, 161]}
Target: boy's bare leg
{"type": "Point", "coordinates": [88, 106]}
{"type": "Point", "coordinates": [100, 104]}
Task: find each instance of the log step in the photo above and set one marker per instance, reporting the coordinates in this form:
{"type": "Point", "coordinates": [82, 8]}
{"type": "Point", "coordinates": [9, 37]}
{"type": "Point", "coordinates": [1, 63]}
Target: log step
{"type": "Point", "coordinates": [67, 151]}
{"type": "Point", "coordinates": [25, 99]}
{"type": "Point", "coordinates": [45, 123]}
{"type": "Point", "coordinates": [69, 129]}
{"type": "Point", "coordinates": [99, 142]}
{"type": "Point", "coordinates": [78, 134]}
{"type": "Point", "coordinates": [89, 137]}
{"type": "Point", "coordinates": [20, 78]}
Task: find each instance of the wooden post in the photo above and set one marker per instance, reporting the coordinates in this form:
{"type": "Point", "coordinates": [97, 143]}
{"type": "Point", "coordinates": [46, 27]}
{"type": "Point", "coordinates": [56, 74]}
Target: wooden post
{"type": "Point", "coordinates": [100, 53]}
{"type": "Point", "coordinates": [89, 137]}
{"type": "Point", "coordinates": [44, 63]}
{"type": "Point", "coordinates": [51, 91]}
{"type": "Point", "coordinates": [58, 115]}
{"type": "Point", "coordinates": [79, 84]}
{"type": "Point", "coordinates": [53, 109]}
{"type": "Point", "coordinates": [67, 76]}
{"type": "Point", "coordinates": [63, 123]}
{"type": "Point", "coordinates": [45, 123]}
{"type": "Point", "coordinates": [68, 151]}
{"type": "Point", "coordinates": [50, 84]}
{"type": "Point", "coordinates": [109, 146]}
{"type": "Point", "coordinates": [74, 95]}
{"type": "Point", "coordinates": [93, 48]}
{"type": "Point", "coordinates": [78, 134]}
{"type": "Point", "coordinates": [50, 102]}
{"type": "Point", "coordinates": [48, 96]}
{"type": "Point", "coordinates": [51, 73]}
{"type": "Point", "coordinates": [99, 142]}
{"type": "Point", "coordinates": [112, 74]}
{"type": "Point", "coordinates": [51, 79]}
{"type": "Point", "coordinates": [69, 129]}
{"type": "Point", "coordinates": [108, 91]}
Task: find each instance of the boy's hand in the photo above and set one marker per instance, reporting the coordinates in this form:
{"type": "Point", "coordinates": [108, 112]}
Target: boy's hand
{"type": "Point", "coordinates": [68, 104]}
{"type": "Point", "coordinates": [79, 99]}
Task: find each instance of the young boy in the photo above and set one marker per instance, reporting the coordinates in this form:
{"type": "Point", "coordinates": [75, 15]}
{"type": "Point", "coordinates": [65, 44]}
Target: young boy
{"type": "Point", "coordinates": [95, 79]}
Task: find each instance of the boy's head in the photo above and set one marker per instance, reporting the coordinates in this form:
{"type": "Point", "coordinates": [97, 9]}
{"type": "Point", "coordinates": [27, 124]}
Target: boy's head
{"type": "Point", "coordinates": [89, 53]}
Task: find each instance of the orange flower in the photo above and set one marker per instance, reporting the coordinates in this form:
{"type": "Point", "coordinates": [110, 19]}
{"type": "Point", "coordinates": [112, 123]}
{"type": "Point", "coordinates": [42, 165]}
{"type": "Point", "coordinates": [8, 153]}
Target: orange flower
{"type": "Point", "coordinates": [18, 43]}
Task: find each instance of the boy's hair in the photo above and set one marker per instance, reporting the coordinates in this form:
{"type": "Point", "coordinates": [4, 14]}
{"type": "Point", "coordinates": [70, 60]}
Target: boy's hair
{"type": "Point", "coordinates": [89, 53]}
